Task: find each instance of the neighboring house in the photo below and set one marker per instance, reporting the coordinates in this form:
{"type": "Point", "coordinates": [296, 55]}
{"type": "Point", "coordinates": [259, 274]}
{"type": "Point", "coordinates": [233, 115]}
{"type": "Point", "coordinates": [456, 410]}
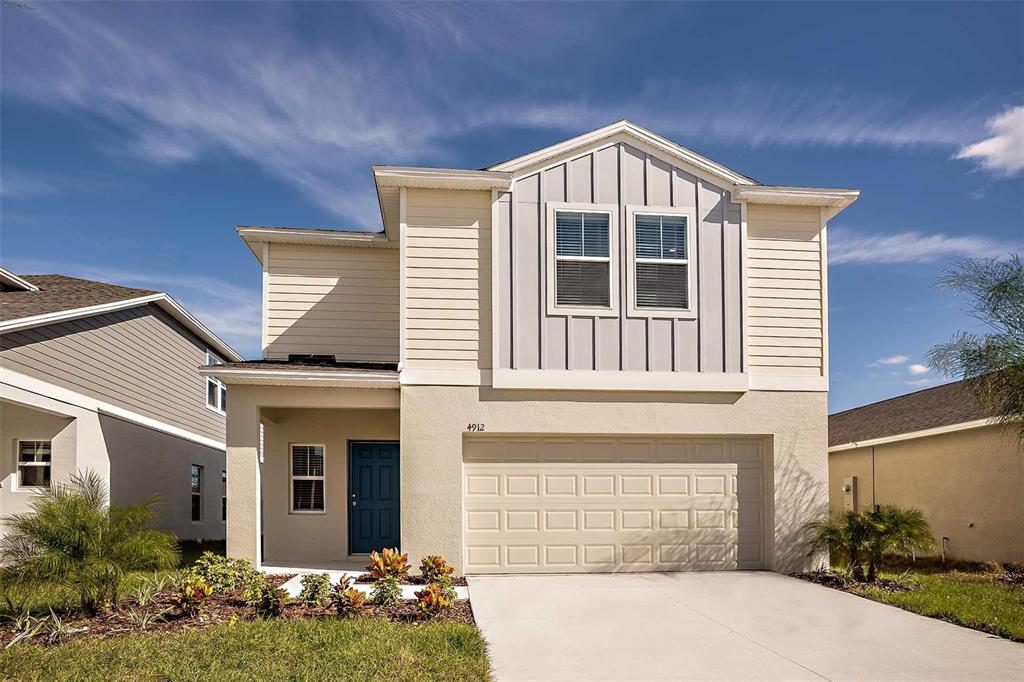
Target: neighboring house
{"type": "Point", "coordinates": [100, 377]}
{"type": "Point", "coordinates": [939, 451]}
{"type": "Point", "coordinates": [606, 355]}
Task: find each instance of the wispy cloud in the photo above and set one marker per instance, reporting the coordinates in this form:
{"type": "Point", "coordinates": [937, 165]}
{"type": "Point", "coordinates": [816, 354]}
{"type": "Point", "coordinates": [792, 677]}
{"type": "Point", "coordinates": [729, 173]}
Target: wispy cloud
{"type": "Point", "coordinates": [18, 184]}
{"type": "Point", "coordinates": [850, 246]}
{"type": "Point", "coordinates": [1003, 152]}
{"type": "Point", "coordinates": [917, 369]}
{"type": "Point", "coordinates": [890, 360]}
{"type": "Point", "coordinates": [230, 311]}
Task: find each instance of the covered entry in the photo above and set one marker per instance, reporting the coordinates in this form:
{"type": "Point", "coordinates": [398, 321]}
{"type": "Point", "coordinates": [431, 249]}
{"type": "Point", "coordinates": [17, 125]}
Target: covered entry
{"type": "Point", "coordinates": [544, 504]}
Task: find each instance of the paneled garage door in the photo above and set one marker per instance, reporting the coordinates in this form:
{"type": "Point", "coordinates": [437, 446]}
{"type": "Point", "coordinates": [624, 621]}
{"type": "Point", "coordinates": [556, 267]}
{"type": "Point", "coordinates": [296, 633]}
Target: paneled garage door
{"type": "Point", "coordinates": [572, 505]}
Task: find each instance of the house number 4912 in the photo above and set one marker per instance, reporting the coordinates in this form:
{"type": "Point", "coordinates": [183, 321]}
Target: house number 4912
{"type": "Point", "coordinates": [475, 427]}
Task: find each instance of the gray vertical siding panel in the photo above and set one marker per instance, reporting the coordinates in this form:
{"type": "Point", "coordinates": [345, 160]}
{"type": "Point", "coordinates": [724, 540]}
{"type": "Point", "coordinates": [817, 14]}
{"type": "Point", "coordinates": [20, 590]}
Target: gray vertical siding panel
{"type": "Point", "coordinates": [621, 175]}
{"type": "Point", "coordinates": [503, 236]}
{"type": "Point", "coordinates": [606, 191]}
{"type": "Point", "coordinates": [553, 335]}
{"type": "Point", "coordinates": [528, 314]}
{"type": "Point", "coordinates": [731, 286]}
{"type": "Point", "coordinates": [709, 288]}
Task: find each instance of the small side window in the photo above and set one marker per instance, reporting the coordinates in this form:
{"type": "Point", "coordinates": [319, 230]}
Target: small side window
{"type": "Point", "coordinates": [216, 391]}
{"type": "Point", "coordinates": [34, 462]}
{"type": "Point", "coordinates": [197, 492]}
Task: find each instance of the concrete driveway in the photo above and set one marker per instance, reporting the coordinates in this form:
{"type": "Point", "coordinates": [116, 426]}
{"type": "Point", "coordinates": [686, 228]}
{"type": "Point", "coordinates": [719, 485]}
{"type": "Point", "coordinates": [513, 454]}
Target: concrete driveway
{"type": "Point", "coordinates": [719, 626]}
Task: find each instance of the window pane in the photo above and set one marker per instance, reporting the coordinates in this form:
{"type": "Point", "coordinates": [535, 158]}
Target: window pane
{"type": "Point", "coordinates": [308, 495]}
{"type": "Point", "coordinates": [595, 235]}
{"type": "Point", "coordinates": [673, 236]}
{"type": "Point", "coordinates": [224, 398]}
{"type": "Point", "coordinates": [197, 478]}
{"type": "Point", "coordinates": [648, 236]}
{"type": "Point", "coordinates": [568, 233]}
{"type": "Point", "coordinates": [661, 285]}
{"type": "Point", "coordinates": [35, 476]}
{"type": "Point", "coordinates": [34, 451]}
{"type": "Point", "coordinates": [223, 483]}
{"type": "Point", "coordinates": [197, 507]}
{"type": "Point", "coordinates": [211, 393]}
{"type": "Point", "coordinates": [223, 509]}
{"type": "Point", "coordinates": [582, 283]}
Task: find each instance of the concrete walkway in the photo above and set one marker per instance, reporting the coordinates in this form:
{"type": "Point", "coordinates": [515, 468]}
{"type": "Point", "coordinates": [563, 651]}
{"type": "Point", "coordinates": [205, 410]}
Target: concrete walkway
{"type": "Point", "coordinates": [719, 626]}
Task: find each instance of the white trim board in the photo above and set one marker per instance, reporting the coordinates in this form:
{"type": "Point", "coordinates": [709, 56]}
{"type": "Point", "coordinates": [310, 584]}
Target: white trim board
{"type": "Point", "coordinates": [615, 380]}
{"type": "Point", "coordinates": [298, 377]}
{"type": "Point", "coordinates": [165, 302]}
{"type": "Point", "coordinates": [12, 379]}
{"type": "Point", "coordinates": [911, 435]}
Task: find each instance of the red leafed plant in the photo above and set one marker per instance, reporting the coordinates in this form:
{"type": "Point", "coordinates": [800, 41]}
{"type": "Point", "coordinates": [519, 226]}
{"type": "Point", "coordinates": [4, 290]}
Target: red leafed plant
{"type": "Point", "coordinates": [433, 567]}
{"type": "Point", "coordinates": [433, 599]}
{"type": "Point", "coordinates": [388, 564]}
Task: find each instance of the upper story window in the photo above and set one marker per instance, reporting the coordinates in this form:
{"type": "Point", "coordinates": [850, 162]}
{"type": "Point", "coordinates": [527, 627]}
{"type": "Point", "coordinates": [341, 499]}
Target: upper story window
{"type": "Point", "coordinates": [582, 259]}
{"type": "Point", "coordinates": [216, 391]}
{"type": "Point", "coordinates": [661, 268]}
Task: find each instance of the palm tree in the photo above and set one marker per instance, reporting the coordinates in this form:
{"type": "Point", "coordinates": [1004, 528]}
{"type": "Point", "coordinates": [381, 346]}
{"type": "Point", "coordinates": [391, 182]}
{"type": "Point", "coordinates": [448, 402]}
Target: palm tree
{"type": "Point", "coordinates": [841, 535]}
{"type": "Point", "coordinates": [73, 538]}
{"type": "Point", "coordinates": [895, 531]}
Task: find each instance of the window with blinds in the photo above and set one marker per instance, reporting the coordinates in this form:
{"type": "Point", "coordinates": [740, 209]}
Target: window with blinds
{"type": "Point", "coordinates": [661, 270]}
{"type": "Point", "coordinates": [307, 474]}
{"type": "Point", "coordinates": [582, 259]}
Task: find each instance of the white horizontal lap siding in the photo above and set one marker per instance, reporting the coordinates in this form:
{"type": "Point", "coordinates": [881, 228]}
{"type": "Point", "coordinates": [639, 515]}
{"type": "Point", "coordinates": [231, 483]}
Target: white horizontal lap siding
{"type": "Point", "coordinates": [447, 279]}
{"type": "Point", "coordinates": [786, 310]}
{"type": "Point", "coordinates": [332, 300]}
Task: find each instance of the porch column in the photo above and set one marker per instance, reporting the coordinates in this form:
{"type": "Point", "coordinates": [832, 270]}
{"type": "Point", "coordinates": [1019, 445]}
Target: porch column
{"type": "Point", "coordinates": [243, 467]}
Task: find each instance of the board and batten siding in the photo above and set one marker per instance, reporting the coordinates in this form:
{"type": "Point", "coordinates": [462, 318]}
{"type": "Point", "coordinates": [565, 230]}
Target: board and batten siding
{"type": "Point", "coordinates": [139, 359]}
{"type": "Point", "coordinates": [333, 300]}
{"type": "Point", "coordinates": [623, 175]}
{"type": "Point", "coordinates": [447, 279]}
{"type": "Point", "coordinates": [785, 291]}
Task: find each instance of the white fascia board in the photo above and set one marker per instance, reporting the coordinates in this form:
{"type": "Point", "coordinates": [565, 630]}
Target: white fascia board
{"type": "Point", "coordinates": [924, 433]}
{"type": "Point", "coordinates": [834, 200]}
{"type": "Point", "coordinates": [10, 279]}
{"type": "Point", "coordinates": [440, 178]}
{"type": "Point", "coordinates": [588, 380]}
{"type": "Point", "coordinates": [164, 301]}
{"type": "Point", "coordinates": [629, 128]}
{"type": "Point", "coordinates": [255, 237]}
{"type": "Point", "coordinates": [315, 378]}
{"type": "Point", "coordinates": [16, 380]}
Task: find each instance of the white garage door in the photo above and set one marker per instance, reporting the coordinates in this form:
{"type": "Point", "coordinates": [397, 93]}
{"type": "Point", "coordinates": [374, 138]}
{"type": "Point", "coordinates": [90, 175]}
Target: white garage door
{"type": "Point", "coordinates": [572, 505]}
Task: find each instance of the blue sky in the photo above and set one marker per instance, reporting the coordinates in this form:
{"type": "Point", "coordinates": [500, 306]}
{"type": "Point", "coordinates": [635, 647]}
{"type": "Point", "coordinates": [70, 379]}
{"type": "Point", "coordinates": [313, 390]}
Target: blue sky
{"type": "Point", "coordinates": [136, 136]}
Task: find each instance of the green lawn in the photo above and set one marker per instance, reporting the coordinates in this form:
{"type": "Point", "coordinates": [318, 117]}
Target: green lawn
{"type": "Point", "coordinates": [358, 649]}
{"type": "Point", "coordinates": [972, 598]}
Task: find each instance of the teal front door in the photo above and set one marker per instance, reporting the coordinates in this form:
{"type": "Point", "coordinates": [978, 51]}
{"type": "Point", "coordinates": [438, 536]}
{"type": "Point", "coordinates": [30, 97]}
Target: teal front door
{"type": "Point", "coordinates": [373, 496]}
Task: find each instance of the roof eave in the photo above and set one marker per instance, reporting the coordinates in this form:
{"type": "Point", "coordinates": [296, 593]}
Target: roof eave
{"type": "Point", "coordinates": [10, 279]}
{"type": "Point", "coordinates": [832, 200]}
{"type": "Point", "coordinates": [911, 435]}
{"type": "Point", "coordinates": [254, 235]}
{"type": "Point", "coordinates": [299, 377]}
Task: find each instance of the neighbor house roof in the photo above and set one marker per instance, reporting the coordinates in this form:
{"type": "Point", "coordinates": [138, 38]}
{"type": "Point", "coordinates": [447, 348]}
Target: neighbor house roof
{"type": "Point", "coordinates": [932, 410]}
{"type": "Point", "coordinates": [58, 298]}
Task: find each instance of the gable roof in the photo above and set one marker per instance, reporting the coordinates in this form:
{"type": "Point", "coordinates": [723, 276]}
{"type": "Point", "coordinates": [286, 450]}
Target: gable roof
{"type": "Point", "coordinates": [57, 298]}
{"type": "Point", "coordinates": [932, 408]}
{"type": "Point", "coordinates": [625, 127]}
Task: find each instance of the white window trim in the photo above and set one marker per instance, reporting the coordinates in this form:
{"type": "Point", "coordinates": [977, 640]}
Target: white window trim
{"type": "Point", "coordinates": [632, 310]}
{"type": "Point", "coordinates": [613, 260]}
{"type": "Point", "coordinates": [212, 359]}
{"type": "Point", "coordinates": [292, 478]}
{"type": "Point", "coordinates": [17, 465]}
{"type": "Point", "coordinates": [192, 494]}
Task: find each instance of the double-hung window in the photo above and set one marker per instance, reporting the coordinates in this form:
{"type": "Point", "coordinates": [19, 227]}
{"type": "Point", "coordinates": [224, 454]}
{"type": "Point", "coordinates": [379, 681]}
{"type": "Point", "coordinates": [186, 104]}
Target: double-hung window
{"type": "Point", "coordinates": [216, 391]}
{"type": "Point", "coordinates": [197, 492]}
{"type": "Point", "coordinates": [661, 268]}
{"type": "Point", "coordinates": [582, 271]}
{"type": "Point", "coordinates": [307, 479]}
{"type": "Point", "coordinates": [34, 461]}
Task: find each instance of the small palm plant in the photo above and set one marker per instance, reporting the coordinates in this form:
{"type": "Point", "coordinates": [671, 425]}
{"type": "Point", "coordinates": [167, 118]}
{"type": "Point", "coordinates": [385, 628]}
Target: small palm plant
{"type": "Point", "coordinates": [74, 538]}
{"type": "Point", "coordinates": [843, 535]}
{"type": "Point", "coordinates": [895, 532]}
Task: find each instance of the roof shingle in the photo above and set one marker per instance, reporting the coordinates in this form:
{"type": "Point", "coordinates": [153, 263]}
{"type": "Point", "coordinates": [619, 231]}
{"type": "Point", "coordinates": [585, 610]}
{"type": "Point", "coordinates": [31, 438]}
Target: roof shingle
{"type": "Point", "coordinates": [58, 292]}
{"type": "Point", "coordinates": [933, 407]}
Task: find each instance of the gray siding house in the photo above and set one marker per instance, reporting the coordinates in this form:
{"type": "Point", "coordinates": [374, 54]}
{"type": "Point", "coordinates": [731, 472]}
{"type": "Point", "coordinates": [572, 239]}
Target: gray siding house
{"type": "Point", "coordinates": [103, 377]}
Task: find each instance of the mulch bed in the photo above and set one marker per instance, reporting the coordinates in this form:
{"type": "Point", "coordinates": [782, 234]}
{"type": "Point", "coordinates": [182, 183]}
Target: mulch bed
{"type": "Point", "coordinates": [838, 581]}
{"type": "Point", "coordinates": [457, 581]}
{"type": "Point", "coordinates": [220, 608]}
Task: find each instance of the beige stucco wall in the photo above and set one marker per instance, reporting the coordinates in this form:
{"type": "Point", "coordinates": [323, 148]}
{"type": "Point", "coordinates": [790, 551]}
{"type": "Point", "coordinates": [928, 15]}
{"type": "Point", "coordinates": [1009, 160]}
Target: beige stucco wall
{"type": "Point", "coordinates": [313, 539]}
{"type": "Point", "coordinates": [434, 421]}
{"type": "Point", "coordinates": [968, 484]}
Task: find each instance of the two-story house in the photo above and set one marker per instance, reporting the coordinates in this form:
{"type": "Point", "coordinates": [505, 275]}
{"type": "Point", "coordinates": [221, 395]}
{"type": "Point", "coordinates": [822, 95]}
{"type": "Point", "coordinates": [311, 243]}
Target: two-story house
{"type": "Point", "coordinates": [104, 378]}
{"type": "Point", "coordinates": [610, 354]}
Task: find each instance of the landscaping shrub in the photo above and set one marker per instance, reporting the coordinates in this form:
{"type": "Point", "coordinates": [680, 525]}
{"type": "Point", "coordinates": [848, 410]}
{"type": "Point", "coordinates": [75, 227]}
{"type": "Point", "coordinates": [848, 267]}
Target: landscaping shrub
{"type": "Point", "coordinates": [868, 537]}
{"type": "Point", "coordinates": [191, 595]}
{"type": "Point", "coordinates": [73, 538]}
{"type": "Point", "coordinates": [268, 601]}
{"type": "Point", "coordinates": [221, 573]}
{"type": "Point", "coordinates": [386, 591]}
{"type": "Point", "coordinates": [316, 589]}
{"type": "Point", "coordinates": [389, 563]}
{"type": "Point", "coordinates": [347, 600]}
{"type": "Point", "coordinates": [433, 599]}
{"type": "Point", "coordinates": [433, 567]}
